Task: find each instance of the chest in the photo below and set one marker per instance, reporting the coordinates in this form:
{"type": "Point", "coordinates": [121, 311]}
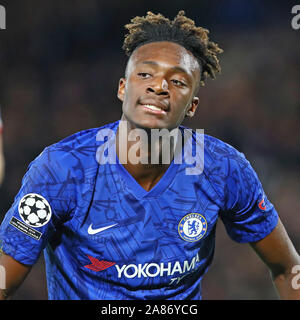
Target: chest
{"type": "Point", "coordinates": [120, 226]}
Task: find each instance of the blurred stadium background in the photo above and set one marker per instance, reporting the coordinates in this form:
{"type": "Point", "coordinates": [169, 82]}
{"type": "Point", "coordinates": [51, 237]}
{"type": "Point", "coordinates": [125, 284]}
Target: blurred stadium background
{"type": "Point", "coordinates": [60, 63]}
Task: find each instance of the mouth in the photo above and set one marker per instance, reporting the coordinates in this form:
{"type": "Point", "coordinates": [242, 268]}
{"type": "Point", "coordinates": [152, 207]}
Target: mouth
{"type": "Point", "coordinates": [159, 109]}
{"type": "Point", "coordinates": [153, 109]}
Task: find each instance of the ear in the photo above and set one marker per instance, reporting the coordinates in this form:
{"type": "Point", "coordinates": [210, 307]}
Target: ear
{"type": "Point", "coordinates": [192, 107]}
{"type": "Point", "coordinates": [121, 89]}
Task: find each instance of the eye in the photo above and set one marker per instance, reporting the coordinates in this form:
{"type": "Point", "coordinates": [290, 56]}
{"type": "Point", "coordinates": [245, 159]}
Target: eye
{"type": "Point", "coordinates": [144, 75]}
{"type": "Point", "coordinates": [178, 83]}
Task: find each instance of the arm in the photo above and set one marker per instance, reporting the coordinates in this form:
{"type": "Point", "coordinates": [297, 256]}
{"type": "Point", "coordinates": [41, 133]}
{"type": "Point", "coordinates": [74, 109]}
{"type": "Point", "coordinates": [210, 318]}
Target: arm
{"type": "Point", "coordinates": [278, 253]}
{"type": "Point", "coordinates": [12, 274]}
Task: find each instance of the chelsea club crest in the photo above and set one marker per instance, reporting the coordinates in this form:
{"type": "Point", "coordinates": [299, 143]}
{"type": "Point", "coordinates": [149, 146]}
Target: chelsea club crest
{"type": "Point", "coordinates": [192, 227]}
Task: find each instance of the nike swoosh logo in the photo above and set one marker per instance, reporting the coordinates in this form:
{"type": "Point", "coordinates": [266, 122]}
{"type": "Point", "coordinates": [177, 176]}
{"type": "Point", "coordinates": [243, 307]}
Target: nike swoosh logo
{"type": "Point", "coordinates": [94, 231]}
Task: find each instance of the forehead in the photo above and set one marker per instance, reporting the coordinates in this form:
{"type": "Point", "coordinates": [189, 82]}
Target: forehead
{"type": "Point", "coordinates": [165, 54]}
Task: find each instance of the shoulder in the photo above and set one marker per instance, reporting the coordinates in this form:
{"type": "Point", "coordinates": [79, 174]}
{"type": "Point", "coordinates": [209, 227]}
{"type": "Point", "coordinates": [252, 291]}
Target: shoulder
{"type": "Point", "coordinates": [218, 152]}
{"type": "Point", "coordinates": [82, 140]}
{"type": "Point", "coordinates": [79, 145]}
{"type": "Point", "coordinates": [74, 153]}
{"type": "Point", "coordinates": [225, 167]}
{"type": "Point", "coordinates": [225, 163]}
{"type": "Point", "coordinates": [221, 160]}
{"type": "Point", "coordinates": [228, 170]}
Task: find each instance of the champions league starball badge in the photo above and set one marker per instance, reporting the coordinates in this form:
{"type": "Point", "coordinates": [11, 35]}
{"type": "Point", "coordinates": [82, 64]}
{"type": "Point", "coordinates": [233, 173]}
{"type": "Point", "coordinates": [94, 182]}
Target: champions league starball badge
{"type": "Point", "coordinates": [34, 210]}
{"type": "Point", "coordinates": [192, 227]}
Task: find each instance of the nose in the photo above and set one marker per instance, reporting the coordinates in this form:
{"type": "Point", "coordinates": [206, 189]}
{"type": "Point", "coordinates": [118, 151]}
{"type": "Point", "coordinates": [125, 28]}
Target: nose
{"type": "Point", "coordinates": [159, 87]}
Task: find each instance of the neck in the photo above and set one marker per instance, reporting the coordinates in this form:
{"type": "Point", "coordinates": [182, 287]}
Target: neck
{"type": "Point", "coordinates": [145, 153]}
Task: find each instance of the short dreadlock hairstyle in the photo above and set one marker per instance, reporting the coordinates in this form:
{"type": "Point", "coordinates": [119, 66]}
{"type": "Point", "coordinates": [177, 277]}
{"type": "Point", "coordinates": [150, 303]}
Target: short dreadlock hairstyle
{"type": "Point", "coordinates": [182, 30]}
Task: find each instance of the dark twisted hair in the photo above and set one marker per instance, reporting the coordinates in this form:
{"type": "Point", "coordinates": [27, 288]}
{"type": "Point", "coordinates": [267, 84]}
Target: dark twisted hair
{"type": "Point", "coordinates": [182, 30]}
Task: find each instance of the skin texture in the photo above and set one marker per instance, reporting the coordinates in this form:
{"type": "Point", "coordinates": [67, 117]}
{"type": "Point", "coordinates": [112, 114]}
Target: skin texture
{"type": "Point", "coordinates": [15, 273]}
{"type": "Point", "coordinates": [158, 81]}
{"type": "Point", "coordinates": [278, 253]}
{"type": "Point", "coordinates": [163, 74]}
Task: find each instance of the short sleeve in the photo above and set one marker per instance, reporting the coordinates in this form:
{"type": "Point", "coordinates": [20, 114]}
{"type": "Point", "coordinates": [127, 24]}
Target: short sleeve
{"type": "Point", "coordinates": [248, 215]}
{"type": "Point", "coordinates": [45, 200]}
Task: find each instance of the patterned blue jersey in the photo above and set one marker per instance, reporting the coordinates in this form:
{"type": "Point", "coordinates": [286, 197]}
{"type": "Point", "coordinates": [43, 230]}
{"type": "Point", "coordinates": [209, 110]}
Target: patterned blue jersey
{"type": "Point", "coordinates": [105, 237]}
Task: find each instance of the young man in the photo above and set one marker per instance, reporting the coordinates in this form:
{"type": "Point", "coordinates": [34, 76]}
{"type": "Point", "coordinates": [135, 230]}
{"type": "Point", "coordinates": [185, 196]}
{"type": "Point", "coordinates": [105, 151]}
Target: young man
{"type": "Point", "coordinates": [127, 229]}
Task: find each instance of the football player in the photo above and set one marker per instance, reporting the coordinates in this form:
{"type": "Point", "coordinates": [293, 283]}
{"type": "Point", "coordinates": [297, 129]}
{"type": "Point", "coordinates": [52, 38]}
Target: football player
{"type": "Point", "coordinates": [123, 229]}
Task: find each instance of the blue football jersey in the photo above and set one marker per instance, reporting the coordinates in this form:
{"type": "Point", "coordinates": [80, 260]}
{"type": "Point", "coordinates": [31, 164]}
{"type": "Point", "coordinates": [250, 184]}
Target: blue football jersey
{"type": "Point", "coordinates": [105, 237]}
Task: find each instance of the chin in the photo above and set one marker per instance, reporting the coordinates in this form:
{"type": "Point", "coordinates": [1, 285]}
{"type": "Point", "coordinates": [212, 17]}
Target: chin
{"type": "Point", "coordinates": [146, 124]}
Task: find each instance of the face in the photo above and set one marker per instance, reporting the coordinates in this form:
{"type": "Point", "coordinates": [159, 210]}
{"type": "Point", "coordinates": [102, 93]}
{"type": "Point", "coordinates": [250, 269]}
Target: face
{"type": "Point", "coordinates": [158, 91]}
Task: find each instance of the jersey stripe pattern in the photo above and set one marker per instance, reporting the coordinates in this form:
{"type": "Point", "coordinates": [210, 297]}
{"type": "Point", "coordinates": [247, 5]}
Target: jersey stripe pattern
{"type": "Point", "coordinates": [105, 237]}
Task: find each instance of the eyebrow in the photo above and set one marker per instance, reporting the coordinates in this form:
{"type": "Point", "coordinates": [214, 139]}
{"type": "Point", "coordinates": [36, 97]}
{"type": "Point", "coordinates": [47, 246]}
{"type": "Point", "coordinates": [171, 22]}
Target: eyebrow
{"type": "Point", "coordinates": [175, 68]}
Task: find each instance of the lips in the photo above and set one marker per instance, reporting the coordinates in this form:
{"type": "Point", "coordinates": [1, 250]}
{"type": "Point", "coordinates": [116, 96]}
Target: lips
{"type": "Point", "coordinates": [155, 106]}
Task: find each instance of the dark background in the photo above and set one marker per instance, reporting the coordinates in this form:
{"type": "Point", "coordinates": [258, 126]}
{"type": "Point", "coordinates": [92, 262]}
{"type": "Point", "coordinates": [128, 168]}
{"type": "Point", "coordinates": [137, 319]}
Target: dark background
{"type": "Point", "coordinates": [60, 62]}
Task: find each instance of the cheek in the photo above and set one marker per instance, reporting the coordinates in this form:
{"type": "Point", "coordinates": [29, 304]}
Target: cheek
{"type": "Point", "coordinates": [127, 95]}
{"type": "Point", "coordinates": [181, 101]}
{"type": "Point", "coordinates": [131, 91]}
